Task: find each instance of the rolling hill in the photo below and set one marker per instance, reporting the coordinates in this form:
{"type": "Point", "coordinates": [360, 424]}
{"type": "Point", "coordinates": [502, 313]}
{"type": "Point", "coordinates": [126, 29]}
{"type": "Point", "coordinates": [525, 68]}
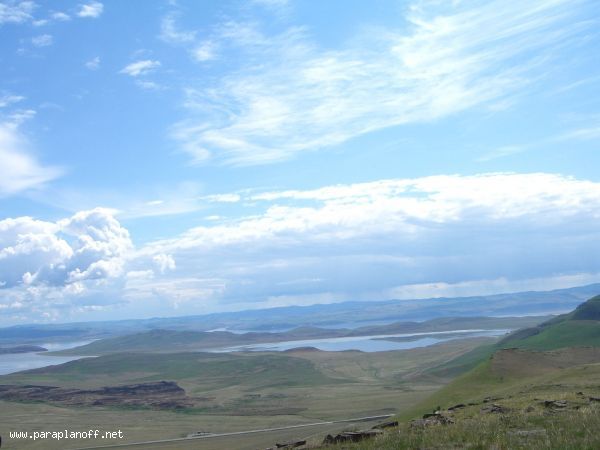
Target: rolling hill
{"type": "Point", "coordinates": [537, 388]}
{"type": "Point", "coordinates": [177, 340]}
{"type": "Point", "coordinates": [581, 327]}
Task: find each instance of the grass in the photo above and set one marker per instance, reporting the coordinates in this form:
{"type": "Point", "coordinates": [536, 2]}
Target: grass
{"type": "Point", "coordinates": [574, 429]}
{"type": "Point", "coordinates": [565, 334]}
{"type": "Point", "coordinates": [526, 423]}
{"type": "Point", "coordinates": [255, 390]}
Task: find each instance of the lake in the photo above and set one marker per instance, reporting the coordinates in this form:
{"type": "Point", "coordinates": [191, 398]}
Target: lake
{"type": "Point", "coordinates": [377, 343]}
{"type": "Point", "coordinates": [16, 362]}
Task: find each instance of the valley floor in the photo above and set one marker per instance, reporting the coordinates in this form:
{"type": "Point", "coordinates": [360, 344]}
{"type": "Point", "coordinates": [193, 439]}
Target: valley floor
{"type": "Point", "coordinates": [336, 385]}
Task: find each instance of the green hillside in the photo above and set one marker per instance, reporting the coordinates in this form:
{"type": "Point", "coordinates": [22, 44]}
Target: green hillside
{"type": "Point", "coordinates": [578, 328]}
{"type": "Point", "coordinates": [581, 327]}
{"type": "Point", "coordinates": [571, 339]}
{"type": "Point", "coordinates": [210, 370]}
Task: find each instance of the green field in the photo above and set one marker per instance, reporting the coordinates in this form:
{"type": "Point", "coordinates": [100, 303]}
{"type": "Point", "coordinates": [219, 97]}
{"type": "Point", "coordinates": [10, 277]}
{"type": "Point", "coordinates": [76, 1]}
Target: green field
{"type": "Point", "coordinates": [241, 392]}
{"type": "Point", "coordinates": [539, 388]}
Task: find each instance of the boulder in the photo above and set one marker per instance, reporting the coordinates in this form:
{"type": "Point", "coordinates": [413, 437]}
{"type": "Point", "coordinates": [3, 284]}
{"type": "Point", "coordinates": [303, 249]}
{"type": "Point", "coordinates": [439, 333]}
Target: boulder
{"type": "Point", "coordinates": [381, 426]}
{"type": "Point", "coordinates": [288, 445]}
{"type": "Point", "coordinates": [436, 418]}
{"type": "Point", "coordinates": [351, 436]}
{"type": "Point", "coordinates": [494, 408]}
{"type": "Point", "coordinates": [555, 404]}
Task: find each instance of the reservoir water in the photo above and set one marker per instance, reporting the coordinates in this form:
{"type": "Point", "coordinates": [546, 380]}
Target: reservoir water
{"type": "Point", "coordinates": [378, 343]}
{"type": "Point", "coordinates": [16, 362]}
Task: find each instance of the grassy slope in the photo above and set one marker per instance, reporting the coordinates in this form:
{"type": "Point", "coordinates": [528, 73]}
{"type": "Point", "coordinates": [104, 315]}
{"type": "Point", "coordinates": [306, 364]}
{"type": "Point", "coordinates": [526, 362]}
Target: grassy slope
{"type": "Point", "coordinates": [208, 369]}
{"type": "Point", "coordinates": [517, 377]}
{"type": "Point", "coordinates": [578, 328]}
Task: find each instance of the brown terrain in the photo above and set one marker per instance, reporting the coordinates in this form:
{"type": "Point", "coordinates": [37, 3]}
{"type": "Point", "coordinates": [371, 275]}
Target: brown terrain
{"type": "Point", "coordinates": [156, 395]}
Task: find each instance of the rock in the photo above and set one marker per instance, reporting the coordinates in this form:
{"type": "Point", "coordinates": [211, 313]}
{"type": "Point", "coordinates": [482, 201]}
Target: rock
{"type": "Point", "coordinates": [455, 407]}
{"type": "Point", "coordinates": [555, 403]}
{"type": "Point", "coordinates": [594, 399]}
{"type": "Point", "coordinates": [495, 409]}
{"type": "Point", "coordinates": [351, 436]}
{"type": "Point", "coordinates": [288, 445]}
{"type": "Point", "coordinates": [383, 425]}
{"type": "Point", "coordinates": [156, 395]}
{"type": "Point", "coordinates": [431, 419]}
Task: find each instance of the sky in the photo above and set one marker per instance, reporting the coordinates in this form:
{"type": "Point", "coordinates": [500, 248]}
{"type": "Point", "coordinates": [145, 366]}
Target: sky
{"type": "Point", "coordinates": [163, 158]}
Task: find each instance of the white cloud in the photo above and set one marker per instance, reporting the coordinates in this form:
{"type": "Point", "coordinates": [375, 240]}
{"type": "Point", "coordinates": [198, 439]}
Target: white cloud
{"type": "Point", "coordinates": [9, 99]}
{"type": "Point", "coordinates": [170, 33]}
{"type": "Point", "coordinates": [91, 10]}
{"type": "Point", "coordinates": [43, 40]}
{"type": "Point", "coordinates": [204, 51]}
{"type": "Point", "coordinates": [306, 98]}
{"type": "Point", "coordinates": [344, 211]}
{"type": "Point", "coordinates": [164, 262]}
{"type": "Point", "coordinates": [371, 240]}
{"type": "Point", "coordinates": [139, 68]}
{"type": "Point", "coordinates": [19, 170]}
{"type": "Point", "coordinates": [489, 287]}
{"type": "Point", "coordinates": [90, 245]}
{"type": "Point", "coordinates": [16, 11]}
{"type": "Point", "coordinates": [421, 237]}
{"type": "Point", "coordinates": [93, 64]}
{"type": "Point", "coordinates": [148, 85]}
{"type": "Point", "coordinates": [60, 16]}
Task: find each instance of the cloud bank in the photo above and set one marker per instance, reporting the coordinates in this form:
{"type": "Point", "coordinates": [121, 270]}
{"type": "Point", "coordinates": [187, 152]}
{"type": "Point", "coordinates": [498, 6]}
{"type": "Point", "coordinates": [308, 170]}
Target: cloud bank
{"type": "Point", "coordinates": [378, 240]}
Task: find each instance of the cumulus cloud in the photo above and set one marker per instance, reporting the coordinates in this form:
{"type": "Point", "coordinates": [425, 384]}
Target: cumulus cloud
{"type": "Point", "coordinates": [90, 245]}
{"type": "Point", "coordinates": [393, 238]}
{"type": "Point", "coordinates": [16, 11]}
{"type": "Point", "coordinates": [142, 67]}
{"type": "Point", "coordinates": [164, 262]}
{"type": "Point", "coordinates": [90, 10]}
{"type": "Point", "coordinates": [448, 59]}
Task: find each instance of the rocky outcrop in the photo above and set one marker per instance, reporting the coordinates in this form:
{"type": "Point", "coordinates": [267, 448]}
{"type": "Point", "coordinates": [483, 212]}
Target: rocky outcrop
{"type": "Point", "coordinates": [495, 408]}
{"type": "Point", "coordinates": [156, 395]}
{"type": "Point", "coordinates": [381, 426]}
{"type": "Point", "coordinates": [555, 404]}
{"type": "Point", "coordinates": [351, 436]}
{"type": "Point", "coordinates": [435, 418]}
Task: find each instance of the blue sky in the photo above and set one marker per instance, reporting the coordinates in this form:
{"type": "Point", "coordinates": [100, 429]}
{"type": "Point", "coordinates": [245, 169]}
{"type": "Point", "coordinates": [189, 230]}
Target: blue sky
{"type": "Point", "coordinates": [171, 157]}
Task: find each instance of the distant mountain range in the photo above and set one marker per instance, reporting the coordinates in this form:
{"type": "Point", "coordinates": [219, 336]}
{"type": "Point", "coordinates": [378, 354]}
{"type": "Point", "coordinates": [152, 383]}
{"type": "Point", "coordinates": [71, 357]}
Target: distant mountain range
{"type": "Point", "coordinates": [337, 315]}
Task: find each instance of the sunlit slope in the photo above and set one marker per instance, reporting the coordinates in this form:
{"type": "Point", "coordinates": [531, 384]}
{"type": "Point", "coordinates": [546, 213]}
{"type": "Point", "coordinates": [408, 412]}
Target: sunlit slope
{"type": "Point", "coordinates": [565, 342]}
{"type": "Point", "coordinates": [580, 327]}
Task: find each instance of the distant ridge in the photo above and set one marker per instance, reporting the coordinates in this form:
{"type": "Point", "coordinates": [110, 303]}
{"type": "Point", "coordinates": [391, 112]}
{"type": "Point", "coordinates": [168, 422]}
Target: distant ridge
{"type": "Point", "coordinates": [348, 314]}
